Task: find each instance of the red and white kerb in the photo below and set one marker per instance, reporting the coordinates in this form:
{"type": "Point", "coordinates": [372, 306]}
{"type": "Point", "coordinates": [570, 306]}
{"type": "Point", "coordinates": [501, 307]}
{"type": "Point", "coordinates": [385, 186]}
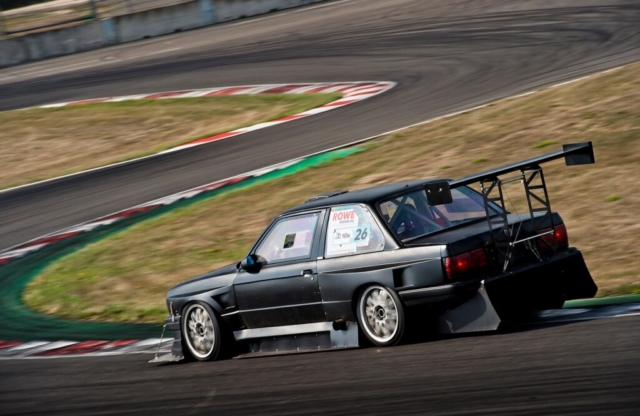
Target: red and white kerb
{"type": "Point", "coordinates": [352, 92]}
{"type": "Point", "coordinates": [50, 349]}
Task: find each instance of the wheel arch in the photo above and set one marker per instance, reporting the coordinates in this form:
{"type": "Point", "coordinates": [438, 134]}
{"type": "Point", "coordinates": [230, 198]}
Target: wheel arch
{"type": "Point", "coordinates": [221, 300]}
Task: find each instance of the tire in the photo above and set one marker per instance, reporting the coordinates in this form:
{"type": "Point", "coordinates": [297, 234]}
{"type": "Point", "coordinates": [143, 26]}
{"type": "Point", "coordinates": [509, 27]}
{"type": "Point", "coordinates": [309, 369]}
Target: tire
{"type": "Point", "coordinates": [381, 316]}
{"type": "Point", "coordinates": [201, 334]}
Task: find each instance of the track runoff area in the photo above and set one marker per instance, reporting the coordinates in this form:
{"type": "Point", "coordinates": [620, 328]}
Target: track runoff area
{"type": "Point", "coordinates": [352, 92]}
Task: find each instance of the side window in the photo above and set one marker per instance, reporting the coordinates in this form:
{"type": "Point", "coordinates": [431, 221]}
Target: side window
{"type": "Point", "coordinates": [352, 230]}
{"type": "Point", "coordinates": [290, 238]}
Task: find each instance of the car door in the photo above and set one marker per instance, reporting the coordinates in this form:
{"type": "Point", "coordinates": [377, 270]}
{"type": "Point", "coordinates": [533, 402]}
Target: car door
{"type": "Point", "coordinates": [284, 290]}
{"type": "Point", "coordinates": [354, 252]}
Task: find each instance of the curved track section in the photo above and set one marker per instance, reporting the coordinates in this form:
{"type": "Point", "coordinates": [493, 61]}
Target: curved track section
{"type": "Point", "coordinates": [445, 55]}
{"type": "Point", "coordinates": [351, 93]}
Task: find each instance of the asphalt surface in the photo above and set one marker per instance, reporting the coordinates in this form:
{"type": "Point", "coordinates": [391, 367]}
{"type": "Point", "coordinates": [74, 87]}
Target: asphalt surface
{"type": "Point", "coordinates": [579, 368]}
{"type": "Point", "coordinates": [446, 55]}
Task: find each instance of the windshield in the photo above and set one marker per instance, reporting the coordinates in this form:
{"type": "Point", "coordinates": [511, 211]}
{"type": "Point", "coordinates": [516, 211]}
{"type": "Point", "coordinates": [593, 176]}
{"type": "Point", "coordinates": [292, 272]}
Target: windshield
{"type": "Point", "coordinates": [409, 215]}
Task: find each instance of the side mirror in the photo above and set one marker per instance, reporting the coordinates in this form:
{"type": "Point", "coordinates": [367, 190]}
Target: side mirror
{"type": "Point", "coordinates": [438, 193]}
{"type": "Point", "coordinates": [250, 263]}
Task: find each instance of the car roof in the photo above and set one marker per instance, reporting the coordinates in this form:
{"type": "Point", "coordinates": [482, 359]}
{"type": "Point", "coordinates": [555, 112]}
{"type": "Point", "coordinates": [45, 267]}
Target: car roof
{"type": "Point", "coordinates": [365, 195]}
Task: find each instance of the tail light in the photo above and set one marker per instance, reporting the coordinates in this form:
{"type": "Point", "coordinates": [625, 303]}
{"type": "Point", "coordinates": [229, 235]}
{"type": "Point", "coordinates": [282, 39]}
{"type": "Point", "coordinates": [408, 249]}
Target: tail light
{"type": "Point", "coordinates": [559, 237]}
{"type": "Point", "coordinates": [465, 262]}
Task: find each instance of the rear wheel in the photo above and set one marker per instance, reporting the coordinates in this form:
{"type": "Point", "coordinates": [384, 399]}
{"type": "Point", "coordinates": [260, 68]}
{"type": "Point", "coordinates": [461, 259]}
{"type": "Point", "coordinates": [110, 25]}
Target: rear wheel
{"type": "Point", "coordinates": [201, 332]}
{"type": "Point", "coordinates": [381, 316]}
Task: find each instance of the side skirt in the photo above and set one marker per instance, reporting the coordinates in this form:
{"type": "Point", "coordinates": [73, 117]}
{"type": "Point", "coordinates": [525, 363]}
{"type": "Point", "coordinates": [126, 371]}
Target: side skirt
{"type": "Point", "coordinates": [321, 336]}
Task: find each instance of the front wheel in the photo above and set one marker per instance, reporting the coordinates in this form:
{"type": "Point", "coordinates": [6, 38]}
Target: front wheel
{"type": "Point", "coordinates": [381, 316]}
{"type": "Point", "coordinates": [201, 332]}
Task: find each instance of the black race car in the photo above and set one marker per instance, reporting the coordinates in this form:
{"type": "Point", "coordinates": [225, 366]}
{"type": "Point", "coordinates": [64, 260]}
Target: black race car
{"type": "Point", "coordinates": [351, 267]}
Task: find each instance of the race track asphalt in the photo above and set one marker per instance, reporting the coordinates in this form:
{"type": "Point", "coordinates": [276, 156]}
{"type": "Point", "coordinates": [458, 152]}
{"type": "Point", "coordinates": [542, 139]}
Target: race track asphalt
{"type": "Point", "coordinates": [446, 55]}
{"type": "Point", "coordinates": [582, 368]}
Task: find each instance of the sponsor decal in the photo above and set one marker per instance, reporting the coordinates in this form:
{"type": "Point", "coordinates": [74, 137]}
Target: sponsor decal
{"type": "Point", "coordinates": [342, 231]}
{"type": "Point", "coordinates": [343, 217]}
{"type": "Point", "coordinates": [356, 235]}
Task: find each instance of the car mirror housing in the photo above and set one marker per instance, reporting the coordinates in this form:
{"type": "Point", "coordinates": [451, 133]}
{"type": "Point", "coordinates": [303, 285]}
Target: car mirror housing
{"type": "Point", "coordinates": [438, 193]}
{"type": "Point", "coordinates": [250, 263]}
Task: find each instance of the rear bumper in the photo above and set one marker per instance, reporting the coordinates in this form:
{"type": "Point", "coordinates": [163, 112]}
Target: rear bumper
{"type": "Point", "coordinates": [438, 294]}
{"type": "Point", "coordinates": [563, 276]}
{"type": "Point", "coordinates": [508, 297]}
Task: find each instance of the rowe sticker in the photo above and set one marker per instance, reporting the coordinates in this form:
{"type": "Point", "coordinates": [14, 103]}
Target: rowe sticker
{"type": "Point", "coordinates": [344, 218]}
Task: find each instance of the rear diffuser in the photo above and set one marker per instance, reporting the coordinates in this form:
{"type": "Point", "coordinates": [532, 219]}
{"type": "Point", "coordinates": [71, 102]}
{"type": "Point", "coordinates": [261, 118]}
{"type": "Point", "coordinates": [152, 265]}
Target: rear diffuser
{"type": "Point", "coordinates": [475, 315]}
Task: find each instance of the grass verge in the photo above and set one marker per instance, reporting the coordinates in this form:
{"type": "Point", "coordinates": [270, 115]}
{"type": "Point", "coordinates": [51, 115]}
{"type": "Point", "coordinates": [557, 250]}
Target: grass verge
{"type": "Point", "coordinates": [17, 274]}
{"type": "Point", "coordinates": [121, 271]}
{"type": "Point", "coordinates": [42, 143]}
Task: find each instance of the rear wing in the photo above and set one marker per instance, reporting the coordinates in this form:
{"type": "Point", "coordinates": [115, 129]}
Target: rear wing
{"type": "Point", "coordinates": [573, 154]}
{"type": "Point", "coordinates": [531, 175]}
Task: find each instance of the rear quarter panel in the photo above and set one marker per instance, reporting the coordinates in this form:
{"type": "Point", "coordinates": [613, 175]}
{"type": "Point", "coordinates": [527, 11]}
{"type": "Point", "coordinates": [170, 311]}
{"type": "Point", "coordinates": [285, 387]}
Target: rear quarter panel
{"type": "Point", "coordinates": [341, 279]}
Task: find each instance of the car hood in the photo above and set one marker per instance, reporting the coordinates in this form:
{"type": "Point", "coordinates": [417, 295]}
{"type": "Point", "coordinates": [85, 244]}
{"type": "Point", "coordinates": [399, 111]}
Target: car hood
{"type": "Point", "coordinates": [212, 280]}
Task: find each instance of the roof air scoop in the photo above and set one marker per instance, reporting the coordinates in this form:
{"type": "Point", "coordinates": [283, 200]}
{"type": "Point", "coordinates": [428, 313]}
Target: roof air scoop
{"type": "Point", "coordinates": [323, 196]}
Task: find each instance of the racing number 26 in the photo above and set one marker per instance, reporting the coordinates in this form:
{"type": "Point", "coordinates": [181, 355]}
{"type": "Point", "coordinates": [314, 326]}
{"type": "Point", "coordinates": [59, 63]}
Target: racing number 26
{"type": "Point", "coordinates": [361, 234]}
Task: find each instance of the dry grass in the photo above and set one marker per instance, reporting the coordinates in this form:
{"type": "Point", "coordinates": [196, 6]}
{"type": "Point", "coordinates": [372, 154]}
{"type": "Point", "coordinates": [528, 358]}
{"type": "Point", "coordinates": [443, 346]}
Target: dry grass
{"type": "Point", "coordinates": [25, 21]}
{"type": "Point", "coordinates": [599, 203]}
{"type": "Point", "coordinates": [43, 143]}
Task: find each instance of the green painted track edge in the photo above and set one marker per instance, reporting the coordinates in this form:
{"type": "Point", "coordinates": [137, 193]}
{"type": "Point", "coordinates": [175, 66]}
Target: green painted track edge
{"type": "Point", "coordinates": [20, 323]}
{"type": "Point", "coordinates": [597, 302]}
